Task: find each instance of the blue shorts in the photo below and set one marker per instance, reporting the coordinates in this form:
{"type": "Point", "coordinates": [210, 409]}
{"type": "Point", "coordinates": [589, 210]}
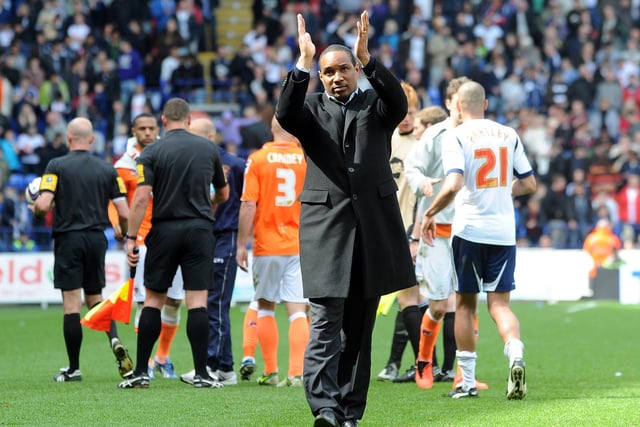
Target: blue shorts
{"type": "Point", "coordinates": [483, 267]}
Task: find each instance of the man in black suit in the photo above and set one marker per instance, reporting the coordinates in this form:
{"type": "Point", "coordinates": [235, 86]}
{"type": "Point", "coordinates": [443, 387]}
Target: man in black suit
{"type": "Point", "coordinates": [353, 246]}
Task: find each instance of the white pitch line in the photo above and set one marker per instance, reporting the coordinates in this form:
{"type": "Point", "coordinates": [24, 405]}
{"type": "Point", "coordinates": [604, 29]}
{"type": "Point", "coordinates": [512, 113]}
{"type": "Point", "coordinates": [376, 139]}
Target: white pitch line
{"type": "Point", "coordinates": [582, 307]}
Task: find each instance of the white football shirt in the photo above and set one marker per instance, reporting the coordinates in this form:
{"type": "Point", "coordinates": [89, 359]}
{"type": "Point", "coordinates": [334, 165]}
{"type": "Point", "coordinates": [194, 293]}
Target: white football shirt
{"type": "Point", "coordinates": [488, 155]}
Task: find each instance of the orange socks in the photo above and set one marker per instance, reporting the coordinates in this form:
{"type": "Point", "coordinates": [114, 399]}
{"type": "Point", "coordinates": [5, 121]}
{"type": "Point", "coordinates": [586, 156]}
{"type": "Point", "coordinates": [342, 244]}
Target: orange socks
{"type": "Point", "coordinates": [167, 334]}
{"type": "Point", "coordinates": [250, 332]}
{"type": "Point", "coordinates": [298, 337]}
{"type": "Point", "coordinates": [429, 330]}
{"type": "Point", "coordinates": [268, 339]}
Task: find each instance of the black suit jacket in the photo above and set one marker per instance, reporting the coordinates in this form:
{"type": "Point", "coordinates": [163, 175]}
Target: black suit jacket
{"type": "Point", "coordinates": [349, 191]}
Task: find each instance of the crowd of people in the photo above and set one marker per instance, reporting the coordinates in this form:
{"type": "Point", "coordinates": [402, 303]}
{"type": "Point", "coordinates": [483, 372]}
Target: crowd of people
{"type": "Point", "coordinates": [556, 83]}
{"type": "Point", "coordinates": [564, 73]}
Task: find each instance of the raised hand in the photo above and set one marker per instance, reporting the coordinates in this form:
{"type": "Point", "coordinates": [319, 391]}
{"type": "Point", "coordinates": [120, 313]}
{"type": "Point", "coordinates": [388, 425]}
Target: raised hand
{"type": "Point", "coordinates": [361, 48]}
{"type": "Point", "coordinates": [307, 48]}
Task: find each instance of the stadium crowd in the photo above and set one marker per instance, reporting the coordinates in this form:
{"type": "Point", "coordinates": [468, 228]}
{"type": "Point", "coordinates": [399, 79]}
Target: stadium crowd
{"type": "Point", "coordinates": [564, 73]}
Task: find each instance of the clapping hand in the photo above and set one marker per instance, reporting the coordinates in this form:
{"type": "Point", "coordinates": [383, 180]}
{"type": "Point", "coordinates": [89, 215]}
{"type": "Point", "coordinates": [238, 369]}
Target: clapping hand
{"type": "Point", "coordinates": [307, 48]}
{"type": "Point", "coordinates": [361, 47]}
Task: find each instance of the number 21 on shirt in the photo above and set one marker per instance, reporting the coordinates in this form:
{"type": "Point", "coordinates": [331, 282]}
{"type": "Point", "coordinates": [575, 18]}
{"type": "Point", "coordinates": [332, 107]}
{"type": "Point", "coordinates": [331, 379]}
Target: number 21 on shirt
{"type": "Point", "coordinates": [491, 160]}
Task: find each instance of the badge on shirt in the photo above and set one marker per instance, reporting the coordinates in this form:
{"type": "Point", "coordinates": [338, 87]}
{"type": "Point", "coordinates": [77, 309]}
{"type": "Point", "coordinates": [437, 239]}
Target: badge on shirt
{"type": "Point", "coordinates": [121, 185]}
{"type": "Point", "coordinates": [49, 182]}
{"type": "Point", "coordinates": [140, 170]}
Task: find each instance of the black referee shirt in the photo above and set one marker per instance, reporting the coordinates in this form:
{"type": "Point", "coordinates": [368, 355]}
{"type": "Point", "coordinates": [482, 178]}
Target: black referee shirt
{"type": "Point", "coordinates": [82, 185]}
{"type": "Point", "coordinates": [180, 167]}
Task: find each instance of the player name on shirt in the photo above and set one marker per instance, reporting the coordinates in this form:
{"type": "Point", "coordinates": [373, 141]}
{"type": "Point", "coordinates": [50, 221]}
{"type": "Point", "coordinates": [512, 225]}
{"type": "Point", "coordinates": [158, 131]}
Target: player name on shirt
{"type": "Point", "coordinates": [493, 131]}
{"type": "Point", "coordinates": [285, 158]}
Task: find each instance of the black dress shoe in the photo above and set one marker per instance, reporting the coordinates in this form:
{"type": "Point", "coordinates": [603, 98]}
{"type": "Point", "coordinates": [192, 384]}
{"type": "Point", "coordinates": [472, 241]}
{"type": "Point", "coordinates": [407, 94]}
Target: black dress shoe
{"type": "Point", "coordinates": [350, 423]}
{"type": "Point", "coordinates": [326, 418]}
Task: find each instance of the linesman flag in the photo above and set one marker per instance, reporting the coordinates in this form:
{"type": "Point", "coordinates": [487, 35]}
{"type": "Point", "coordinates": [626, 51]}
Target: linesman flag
{"type": "Point", "coordinates": [386, 302]}
{"type": "Point", "coordinates": [117, 307]}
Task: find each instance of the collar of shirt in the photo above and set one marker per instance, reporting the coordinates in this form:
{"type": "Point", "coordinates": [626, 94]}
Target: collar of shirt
{"type": "Point", "coordinates": [343, 104]}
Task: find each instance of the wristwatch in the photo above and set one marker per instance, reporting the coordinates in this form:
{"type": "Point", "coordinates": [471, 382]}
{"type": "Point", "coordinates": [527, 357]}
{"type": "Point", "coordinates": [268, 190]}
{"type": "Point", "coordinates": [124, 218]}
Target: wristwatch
{"type": "Point", "coordinates": [131, 237]}
{"type": "Point", "coordinates": [413, 239]}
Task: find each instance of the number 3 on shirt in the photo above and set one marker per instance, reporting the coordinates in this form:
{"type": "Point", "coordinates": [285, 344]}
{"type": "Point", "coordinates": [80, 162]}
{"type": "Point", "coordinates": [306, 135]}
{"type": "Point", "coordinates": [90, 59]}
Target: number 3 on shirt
{"type": "Point", "coordinates": [286, 187]}
{"type": "Point", "coordinates": [489, 165]}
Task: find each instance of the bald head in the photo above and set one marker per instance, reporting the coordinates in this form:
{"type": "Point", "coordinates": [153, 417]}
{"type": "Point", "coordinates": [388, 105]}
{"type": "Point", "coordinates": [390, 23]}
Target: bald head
{"type": "Point", "coordinates": [203, 127]}
{"type": "Point", "coordinates": [471, 98]}
{"type": "Point", "coordinates": [79, 134]}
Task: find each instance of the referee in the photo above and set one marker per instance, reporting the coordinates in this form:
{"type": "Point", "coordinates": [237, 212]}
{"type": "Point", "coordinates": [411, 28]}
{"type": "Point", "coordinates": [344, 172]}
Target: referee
{"type": "Point", "coordinates": [81, 186]}
{"type": "Point", "coordinates": [179, 169]}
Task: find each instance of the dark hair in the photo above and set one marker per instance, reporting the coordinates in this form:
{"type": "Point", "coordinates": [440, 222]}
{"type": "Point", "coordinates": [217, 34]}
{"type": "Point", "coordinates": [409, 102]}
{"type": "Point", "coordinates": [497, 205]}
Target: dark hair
{"type": "Point", "coordinates": [142, 116]}
{"type": "Point", "coordinates": [340, 48]}
{"type": "Point", "coordinates": [176, 110]}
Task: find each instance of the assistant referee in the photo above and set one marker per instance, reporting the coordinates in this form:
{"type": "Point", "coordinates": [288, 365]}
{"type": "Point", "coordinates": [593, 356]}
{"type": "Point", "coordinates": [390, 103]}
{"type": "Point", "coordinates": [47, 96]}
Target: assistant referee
{"type": "Point", "coordinates": [81, 186]}
{"type": "Point", "coordinates": [179, 169]}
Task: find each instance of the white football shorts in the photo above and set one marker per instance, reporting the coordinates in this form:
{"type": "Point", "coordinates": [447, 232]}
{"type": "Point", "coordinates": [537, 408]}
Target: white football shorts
{"type": "Point", "coordinates": [278, 278]}
{"type": "Point", "coordinates": [435, 270]}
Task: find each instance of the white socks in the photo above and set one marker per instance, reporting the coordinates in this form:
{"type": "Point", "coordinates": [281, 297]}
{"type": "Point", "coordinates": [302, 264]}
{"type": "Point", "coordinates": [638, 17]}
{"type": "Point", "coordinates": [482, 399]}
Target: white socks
{"type": "Point", "coordinates": [513, 349]}
{"type": "Point", "coordinates": [467, 364]}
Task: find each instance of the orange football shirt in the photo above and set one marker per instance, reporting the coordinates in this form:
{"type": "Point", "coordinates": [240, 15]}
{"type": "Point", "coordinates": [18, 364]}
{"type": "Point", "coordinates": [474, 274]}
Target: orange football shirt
{"type": "Point", "coordinates": [129, 177]}
{"type": "Point", "coordinates": [273, 178]}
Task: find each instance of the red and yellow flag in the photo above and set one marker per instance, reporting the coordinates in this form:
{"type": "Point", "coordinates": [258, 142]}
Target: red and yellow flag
{"type": "Point", "coordinates": [117, 307]}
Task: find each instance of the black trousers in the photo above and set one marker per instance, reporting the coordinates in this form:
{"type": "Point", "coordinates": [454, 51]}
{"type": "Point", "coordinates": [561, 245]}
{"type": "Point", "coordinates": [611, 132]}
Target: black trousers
{"type": "Point", "coordinates": [337, 362]}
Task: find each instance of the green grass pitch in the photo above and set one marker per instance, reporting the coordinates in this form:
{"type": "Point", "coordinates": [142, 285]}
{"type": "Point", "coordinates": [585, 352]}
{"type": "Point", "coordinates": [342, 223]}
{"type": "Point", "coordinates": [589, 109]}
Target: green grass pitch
{"type": "Point", "coordinates": [583, 368]}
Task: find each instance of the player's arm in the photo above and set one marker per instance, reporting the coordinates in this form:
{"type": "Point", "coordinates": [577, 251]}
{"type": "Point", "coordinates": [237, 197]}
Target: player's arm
{"type": "Point", "coordinates": [122, 209]}
{"type": "Point", "coordinates": [48, 186]}
{"type": "Point", "coordinates": [453, 182]}
{"type": "Point", "coordinates": [219, 183]}
{"type": "Point", "coordinates": [43, 204]}
{"type": "Point", "coordinates": [220, 196]}
{"type": "Point", "coordinates": [141, 198]}
{"type": "Point", "coordinates": [114, 214]}
{"type": "Point", "coordinates": [522, 186]}
{"type": "Point", "coordinates": [245, 225]}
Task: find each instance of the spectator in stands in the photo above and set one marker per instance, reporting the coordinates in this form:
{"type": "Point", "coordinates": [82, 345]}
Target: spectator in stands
{"type": "Point", "coordinates": [532, 223]}
{"type": "Point", "coordinates": [55, 147]}
{"type": "Point", "coordinates": [9, 151]}
{"type": "Point", "coordinates": [169, 64]}
{"type": "Point", "coordinates": [78, 32]}
{"type": "Point", "coordinates": [256, 41]}
{"type": "Point", "coordinates": [441, 47]}
{"type": "Point", "coordinates": [584, 215]}
{"type": "Point", "coordinates": [151, 70]}
{"type": "Point", "coordinates": [58, 58]}
{"type": "Point", "coordinates": [26, 112]}
{"type": "Point", "coordinates": [24, 23]}
{"type": "Point", "coordinates": [168, 38]}
{"type": "Point", "coordinates": [241, 71]}
{"type": "Point", "coordinates": [220, 75]}
{"type": "Point", "coordinates": [187, 80]}
{"type": "Point", "coordinates": [162, 12]}
{"type": "Point", "coordinates": [6, 99]}
{"type": "Point", "coordinates": [558, 211]}
{"type": "Point", "coordinates": [52, 88]}
{"type": "Point", "coordinates": [628, 199]}
{"type": "Point", "coordinates": [28, 143]}
{"type": "Point", "coordinates": [189, 20]}
{"type": "Point", "coordinates": [129, 70]}
{"type": "Point", "coordinates": [24, 243]}
{"type": "Point", "coordinates": [5, 170]}
{"type": "Point", "coordinates": [140, 40]}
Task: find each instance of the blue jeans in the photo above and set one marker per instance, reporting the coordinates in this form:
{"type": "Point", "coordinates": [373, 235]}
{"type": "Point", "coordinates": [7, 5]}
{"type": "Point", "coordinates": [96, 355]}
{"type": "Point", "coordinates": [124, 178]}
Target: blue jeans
{"type": "Point", "coordinates": [219, 301]}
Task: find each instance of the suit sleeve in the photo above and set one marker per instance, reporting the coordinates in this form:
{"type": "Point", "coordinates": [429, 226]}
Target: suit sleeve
{"type": "Point", "coordinates": [393, 102]}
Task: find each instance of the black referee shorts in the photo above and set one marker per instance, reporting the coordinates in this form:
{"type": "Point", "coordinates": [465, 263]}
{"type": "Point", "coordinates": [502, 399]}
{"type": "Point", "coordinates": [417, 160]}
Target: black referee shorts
{"type": "Point", "coordinates": [189, 244]}
{"type": "Point", "coordinates": [79, 261]}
